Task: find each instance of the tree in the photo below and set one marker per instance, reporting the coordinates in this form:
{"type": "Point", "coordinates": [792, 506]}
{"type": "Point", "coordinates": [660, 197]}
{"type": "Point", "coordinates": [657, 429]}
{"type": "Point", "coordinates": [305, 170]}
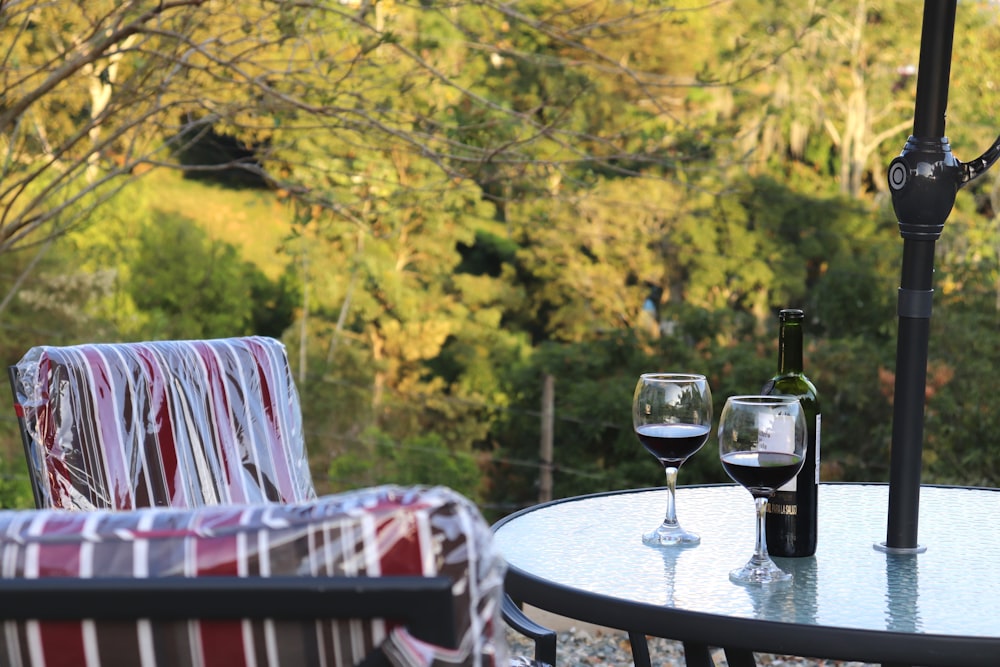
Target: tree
{"type": "Point", "coordinates": [187, 286]}
{"type": "Point", "coordinates": [838, 95]}
{"type": "Point", "coordinates": [126, 85]}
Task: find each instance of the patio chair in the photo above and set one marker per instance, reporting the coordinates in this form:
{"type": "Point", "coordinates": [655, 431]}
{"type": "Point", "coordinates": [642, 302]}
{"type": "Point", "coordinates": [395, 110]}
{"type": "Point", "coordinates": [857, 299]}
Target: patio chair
{"type": "Point", "coordinates": [179, 424]}
{"type": "Point", "coordinates": [255, 584]}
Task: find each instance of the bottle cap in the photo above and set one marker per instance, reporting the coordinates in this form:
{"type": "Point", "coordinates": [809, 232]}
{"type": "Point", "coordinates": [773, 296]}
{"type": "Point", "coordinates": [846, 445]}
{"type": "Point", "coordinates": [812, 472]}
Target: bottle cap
{"type": "Point", "coordinates": [791, 315]}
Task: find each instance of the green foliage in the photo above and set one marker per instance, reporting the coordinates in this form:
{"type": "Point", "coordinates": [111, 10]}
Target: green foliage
{"type": "Point", "coordinates": [594, 445]}
{"type": "Point", "coordinates": [272, 302]}
{"type": "Point", "coordinates": [853, 375]}
{"type": "Point", "coordinates": [418, 459]}
{"type": "Point", "coordinates": [55, 296]}
{"type": "Point", "coordinates": [961, 413]}
{"type": "Point", "coordinates": [188, 286]}
{"type": "Point", "coordinates": [15, 487]}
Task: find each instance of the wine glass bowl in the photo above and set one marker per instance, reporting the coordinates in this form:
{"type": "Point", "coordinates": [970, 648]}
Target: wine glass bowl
{"type": "Point", "coordinates": [672, 418]}
{"type": "Point", "coordinates": [762, 442]}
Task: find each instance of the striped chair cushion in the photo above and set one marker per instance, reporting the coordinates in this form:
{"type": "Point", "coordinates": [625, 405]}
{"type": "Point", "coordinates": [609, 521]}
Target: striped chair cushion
{"type": "Point", "coordinates": [379, 531]}
{"type": "Point", "coordinates": [170, 423]}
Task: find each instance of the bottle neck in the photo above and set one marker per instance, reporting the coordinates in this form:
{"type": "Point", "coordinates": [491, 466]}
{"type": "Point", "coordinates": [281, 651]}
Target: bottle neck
{"type": "Point", "coordinates": [790, 348]}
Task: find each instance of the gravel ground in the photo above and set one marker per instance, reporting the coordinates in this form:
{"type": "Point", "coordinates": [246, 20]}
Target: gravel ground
{"type": "Point", "coordinates": [582, 648]}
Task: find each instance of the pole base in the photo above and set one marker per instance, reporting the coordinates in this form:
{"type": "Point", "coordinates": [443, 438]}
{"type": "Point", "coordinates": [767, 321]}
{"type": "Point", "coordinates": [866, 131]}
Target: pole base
{"type": "Point", "coordinates": [899, 551]}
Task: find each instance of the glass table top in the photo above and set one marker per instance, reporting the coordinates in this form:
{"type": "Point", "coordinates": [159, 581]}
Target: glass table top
{"type": "Point", "coordinates": [593, 544]}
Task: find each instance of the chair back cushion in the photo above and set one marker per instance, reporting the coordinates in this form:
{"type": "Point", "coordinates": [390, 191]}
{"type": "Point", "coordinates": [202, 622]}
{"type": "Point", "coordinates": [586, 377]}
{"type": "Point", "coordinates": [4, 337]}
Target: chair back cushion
{"type": "Point", "coordinates": [375, 532]}
{"type": "Point", "coordinates": [169, 423]}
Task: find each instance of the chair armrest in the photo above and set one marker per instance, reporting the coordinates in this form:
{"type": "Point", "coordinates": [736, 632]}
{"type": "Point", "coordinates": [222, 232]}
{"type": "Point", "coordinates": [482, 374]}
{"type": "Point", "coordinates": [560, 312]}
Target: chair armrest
{"type": "Point", "coordinates": [423, 604]}
{"type": "Point", "coordinates": [545, 639]}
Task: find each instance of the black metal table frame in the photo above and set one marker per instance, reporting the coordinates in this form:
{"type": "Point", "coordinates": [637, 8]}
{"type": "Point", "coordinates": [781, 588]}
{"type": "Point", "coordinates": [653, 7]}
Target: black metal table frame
{"type": "Point", "coordinates": [740, 638]}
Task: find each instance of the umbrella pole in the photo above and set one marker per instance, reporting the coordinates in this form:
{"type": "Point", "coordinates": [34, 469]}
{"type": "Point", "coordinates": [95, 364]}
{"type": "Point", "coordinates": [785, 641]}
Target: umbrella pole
{"type": "Point", "coordinates": [914, 324]}
{"type": "Point", "coordinates": [923, 180]}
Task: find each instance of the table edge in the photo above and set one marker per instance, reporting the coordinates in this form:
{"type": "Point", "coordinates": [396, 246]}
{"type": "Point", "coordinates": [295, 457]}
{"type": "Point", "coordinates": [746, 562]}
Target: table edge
{"type": "Point", "coordinates": [850, 644]}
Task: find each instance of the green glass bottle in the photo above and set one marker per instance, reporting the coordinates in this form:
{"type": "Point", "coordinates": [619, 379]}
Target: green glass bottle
{"type": "Point", "coordinates": [790, 524]}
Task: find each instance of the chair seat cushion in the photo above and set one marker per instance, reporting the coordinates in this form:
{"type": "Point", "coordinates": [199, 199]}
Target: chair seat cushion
{"type": "Point", "coordinates": [375, 532]}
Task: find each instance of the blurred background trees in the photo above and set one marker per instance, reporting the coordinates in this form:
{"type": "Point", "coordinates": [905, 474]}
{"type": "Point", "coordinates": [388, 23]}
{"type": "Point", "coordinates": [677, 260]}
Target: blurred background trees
{"type": "Point", "coordinates": [436, 206]}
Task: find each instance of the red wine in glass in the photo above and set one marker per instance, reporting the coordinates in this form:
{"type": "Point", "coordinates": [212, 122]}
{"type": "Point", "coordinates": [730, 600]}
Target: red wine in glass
{"type": "Point", "coordinates": [761, 472]}
{"type": "Point", "coordinates": [672, 443]}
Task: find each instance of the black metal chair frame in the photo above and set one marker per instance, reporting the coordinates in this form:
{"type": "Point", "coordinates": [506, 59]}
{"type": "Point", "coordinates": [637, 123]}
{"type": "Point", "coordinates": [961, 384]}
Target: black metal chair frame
{"type": "Point", "coordinates": [25, 437]}
{"type": "Point", "coordinates": [423, 604]}
{"type": "Point", "coordinates": [544, 638]}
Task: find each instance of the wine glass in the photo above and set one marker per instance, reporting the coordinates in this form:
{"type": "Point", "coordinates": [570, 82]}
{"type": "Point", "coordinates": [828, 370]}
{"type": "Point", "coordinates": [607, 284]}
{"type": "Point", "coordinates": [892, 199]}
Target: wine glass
{"type": "Point", "coordinates": [672, 417]}
{"type": "Point", "coordinates": [762, 441]}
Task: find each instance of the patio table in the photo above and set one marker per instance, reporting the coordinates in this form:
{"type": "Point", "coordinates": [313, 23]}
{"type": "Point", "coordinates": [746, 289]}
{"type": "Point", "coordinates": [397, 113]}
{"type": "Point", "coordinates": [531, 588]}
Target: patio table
{"type": "Point", "coordinates": [583, 558]}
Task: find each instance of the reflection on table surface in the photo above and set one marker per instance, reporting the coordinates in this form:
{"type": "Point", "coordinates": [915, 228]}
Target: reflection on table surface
{"type": "Point", "coordinates": [593, 543]}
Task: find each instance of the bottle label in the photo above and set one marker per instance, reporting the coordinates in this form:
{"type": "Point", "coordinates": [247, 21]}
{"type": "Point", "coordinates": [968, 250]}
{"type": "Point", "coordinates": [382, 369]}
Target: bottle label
{"type": "Point", "coordinates": [819, 429]}
{"type": "Point", "coordinates": [791, 485]}
{"type": "Point", "coordinates": [785, 509]}
{"type": "Point", "coordinates": [778, 435]}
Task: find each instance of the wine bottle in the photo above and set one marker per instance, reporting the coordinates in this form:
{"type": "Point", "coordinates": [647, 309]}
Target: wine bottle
{"type": "Point", "coordinates": [790, 524]}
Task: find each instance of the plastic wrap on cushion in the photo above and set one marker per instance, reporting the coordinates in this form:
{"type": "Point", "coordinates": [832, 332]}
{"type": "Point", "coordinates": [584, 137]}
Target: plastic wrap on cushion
{"type": "Point", "coordinates": [380, 531]}
{"type": "Point", "coordinates": [168, 423]}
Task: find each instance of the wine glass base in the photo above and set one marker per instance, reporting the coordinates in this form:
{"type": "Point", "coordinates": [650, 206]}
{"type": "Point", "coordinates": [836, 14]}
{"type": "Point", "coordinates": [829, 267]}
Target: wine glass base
{"type": "Point", "coordinates": [670, 536]}
{"type": "Point", "coordinates": [755, 573]}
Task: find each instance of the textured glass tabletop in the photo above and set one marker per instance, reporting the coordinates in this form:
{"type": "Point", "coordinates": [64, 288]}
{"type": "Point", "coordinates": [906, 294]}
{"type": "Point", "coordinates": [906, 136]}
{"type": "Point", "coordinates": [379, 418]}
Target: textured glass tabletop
{"type": "Point", "coordinates": [593, 544]}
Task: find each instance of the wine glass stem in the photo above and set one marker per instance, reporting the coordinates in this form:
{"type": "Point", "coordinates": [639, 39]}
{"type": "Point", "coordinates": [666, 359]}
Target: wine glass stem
{"type": "Point", "coordinates": [671, 518]}
{"type": "Point", "coordinates": [760, 548]}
